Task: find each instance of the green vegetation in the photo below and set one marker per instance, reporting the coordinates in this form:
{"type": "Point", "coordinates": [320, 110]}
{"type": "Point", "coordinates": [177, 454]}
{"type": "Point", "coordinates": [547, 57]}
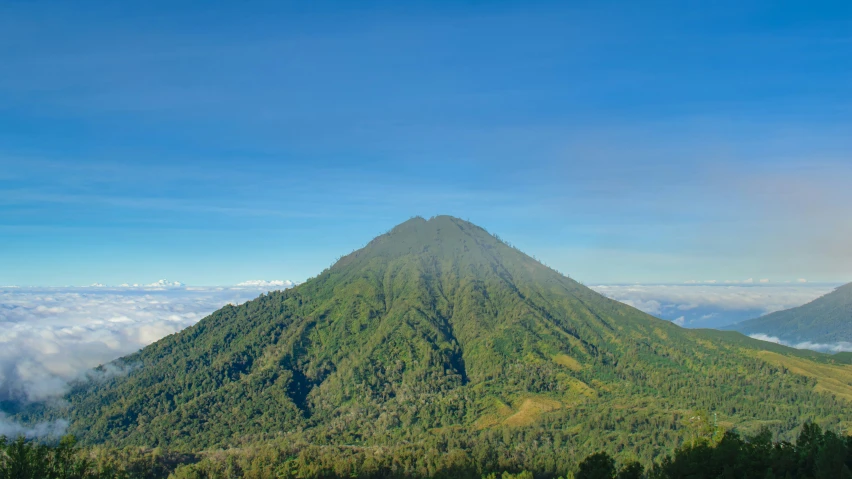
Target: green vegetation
{"type": "Point", "coordinates": [825, 320]}
{"type": "Point", "coordinates": [22, 459]}
{"type": "Point", "coordinates": [816, 455]}
{"type": "Point", "coordinates": [438, 347]}
{"type": "Point", "coordinates": [28, 460]}
{"type": "Point", "coordinates": [710, 453]}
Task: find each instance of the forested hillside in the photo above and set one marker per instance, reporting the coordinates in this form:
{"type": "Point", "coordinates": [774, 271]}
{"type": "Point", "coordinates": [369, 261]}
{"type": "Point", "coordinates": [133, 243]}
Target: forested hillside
{"type": "Point", "coordinates": [825, 320]}
{"type": "Point", "coordinates": [438, 338]}
{"type": "Point", "coordinates": [709, 452]}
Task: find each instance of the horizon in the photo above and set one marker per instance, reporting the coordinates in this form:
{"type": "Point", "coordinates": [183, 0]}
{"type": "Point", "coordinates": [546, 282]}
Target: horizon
{"type": "Point", "coordinates": [163, 282]}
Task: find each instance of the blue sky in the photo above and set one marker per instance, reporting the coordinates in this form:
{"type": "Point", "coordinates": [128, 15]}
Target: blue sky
{"type": "Point", "coordinates": [213, 143]}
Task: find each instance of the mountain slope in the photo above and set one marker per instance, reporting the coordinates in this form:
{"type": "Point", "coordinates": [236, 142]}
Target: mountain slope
{"type": "Point", "coordinates": [438, 328]}
{"type": "Point", "coordinates": [825, 320]}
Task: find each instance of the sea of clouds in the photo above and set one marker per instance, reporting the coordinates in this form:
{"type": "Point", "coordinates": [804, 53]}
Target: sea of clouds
{"type": "Point", "coordinates": [714, 305]}
{"type": "Point", "coordinates": [52, 336]}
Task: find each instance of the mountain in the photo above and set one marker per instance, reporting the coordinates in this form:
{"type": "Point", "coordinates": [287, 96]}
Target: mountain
{"type": "Point", "coordinates": [439, 333]}
{"type": "Point", "coordinates": [826, 320]}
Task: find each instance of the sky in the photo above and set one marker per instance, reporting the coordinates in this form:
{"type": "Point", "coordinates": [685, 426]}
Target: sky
{"type": "Point", "coordinates": [618, 142]}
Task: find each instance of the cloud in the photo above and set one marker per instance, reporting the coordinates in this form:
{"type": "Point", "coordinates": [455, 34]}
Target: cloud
{"type": "Point", "coordinates": [801, 280]}
{"type": "Point", "coordinates": [838, 347]}
{"type": "Point", "coordinates": [713, 305]}
{"type": "Point", "coordinates": [165, 284]}
{"type": "Point", "coordinates": [649, 306]}
{"type": "Point", "coordinates": [679, 321]}
{"type": "Point", "coordinates": [764, 281]}
{"type": "Point", "coordinates": [51, 336]}
{"type": "Point", "coordinates": [12, 429]}
{"type": "Point", "coordinates": [684, 297]}
{"type": "Point", "coordinates": [260, 283]}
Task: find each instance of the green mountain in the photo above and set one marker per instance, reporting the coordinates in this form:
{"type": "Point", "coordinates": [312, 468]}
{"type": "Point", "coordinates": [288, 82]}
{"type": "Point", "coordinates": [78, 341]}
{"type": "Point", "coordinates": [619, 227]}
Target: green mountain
{"type": "Point", "coordinates": [825, 320]}
{"type": "Point", "coordinates": [440, 333]}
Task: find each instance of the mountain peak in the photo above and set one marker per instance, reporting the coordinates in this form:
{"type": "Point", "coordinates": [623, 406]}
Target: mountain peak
{"type": "Point", "coordinates": [440, 237]}
{"type": "Point", "coordinates": [436, 228]}
{"type": "Point", "coordinates": [435, 324]}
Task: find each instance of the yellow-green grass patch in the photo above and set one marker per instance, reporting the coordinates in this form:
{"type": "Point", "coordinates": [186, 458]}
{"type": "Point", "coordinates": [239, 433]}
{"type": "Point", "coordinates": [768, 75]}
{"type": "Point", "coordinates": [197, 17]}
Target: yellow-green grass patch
{"type": "Point", "coordinates": [568, 362]}
{"type": "Point", "coordinates": [530, 410]}
{"type": "Point", "coordinates": [831, 378]}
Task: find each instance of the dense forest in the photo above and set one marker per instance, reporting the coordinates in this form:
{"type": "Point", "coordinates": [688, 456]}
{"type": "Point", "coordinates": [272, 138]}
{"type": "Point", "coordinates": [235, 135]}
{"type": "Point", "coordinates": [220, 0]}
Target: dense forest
{"type": "Point", "coordinates": [710, 453]}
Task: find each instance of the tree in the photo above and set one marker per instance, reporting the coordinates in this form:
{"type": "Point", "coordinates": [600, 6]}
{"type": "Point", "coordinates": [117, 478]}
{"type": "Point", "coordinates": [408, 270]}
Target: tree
{"type": "Point", "coordinates": [596, 466]}
{"type": "Point", "coordinates": [631, 470]}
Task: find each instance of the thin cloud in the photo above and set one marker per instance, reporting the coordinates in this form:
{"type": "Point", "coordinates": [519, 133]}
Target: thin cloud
{"type": "Point", "coordinates": [9, 428]}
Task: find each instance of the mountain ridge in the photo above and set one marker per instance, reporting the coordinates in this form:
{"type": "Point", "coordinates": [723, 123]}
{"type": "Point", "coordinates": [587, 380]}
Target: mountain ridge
{"type": "Point", "coordinates": [826, 320]}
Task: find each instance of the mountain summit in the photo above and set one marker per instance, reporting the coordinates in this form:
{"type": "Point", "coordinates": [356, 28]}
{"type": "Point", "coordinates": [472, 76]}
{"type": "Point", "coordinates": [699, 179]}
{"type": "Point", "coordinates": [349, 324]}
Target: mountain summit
{"type": "Point", "coordinates": [440, 328]}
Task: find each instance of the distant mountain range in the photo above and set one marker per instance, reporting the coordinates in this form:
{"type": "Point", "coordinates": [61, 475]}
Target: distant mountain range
{"type": "Point", "coordinates": [826, 320]}
{"type": "Point", "coordinates": [439, 336]}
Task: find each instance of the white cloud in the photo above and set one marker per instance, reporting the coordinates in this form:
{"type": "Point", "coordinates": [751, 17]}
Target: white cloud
{"type": "Point", "coordinates": [50, 336]}
{"type": "Point", "coordinates": [838, 347]}
{"type": "Point", "coordinates": [12, 429]}
{"type": "Point", "coordinates": [767, 299]}
{"type": "Point", "coordinates": [260, 283]}
{"type": "Point", "coordinates": [764, 281]}
{"type": "Point", "coordinates": [165, 284]}
{"type": "Point", "coordinates": [679, 321]}
{"type": "Point", "coordinates": [766, 337]}
{"type": "Point", "coordinates": [801, 280]}
{"type": "Point", "coordinates": [649, 306]}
